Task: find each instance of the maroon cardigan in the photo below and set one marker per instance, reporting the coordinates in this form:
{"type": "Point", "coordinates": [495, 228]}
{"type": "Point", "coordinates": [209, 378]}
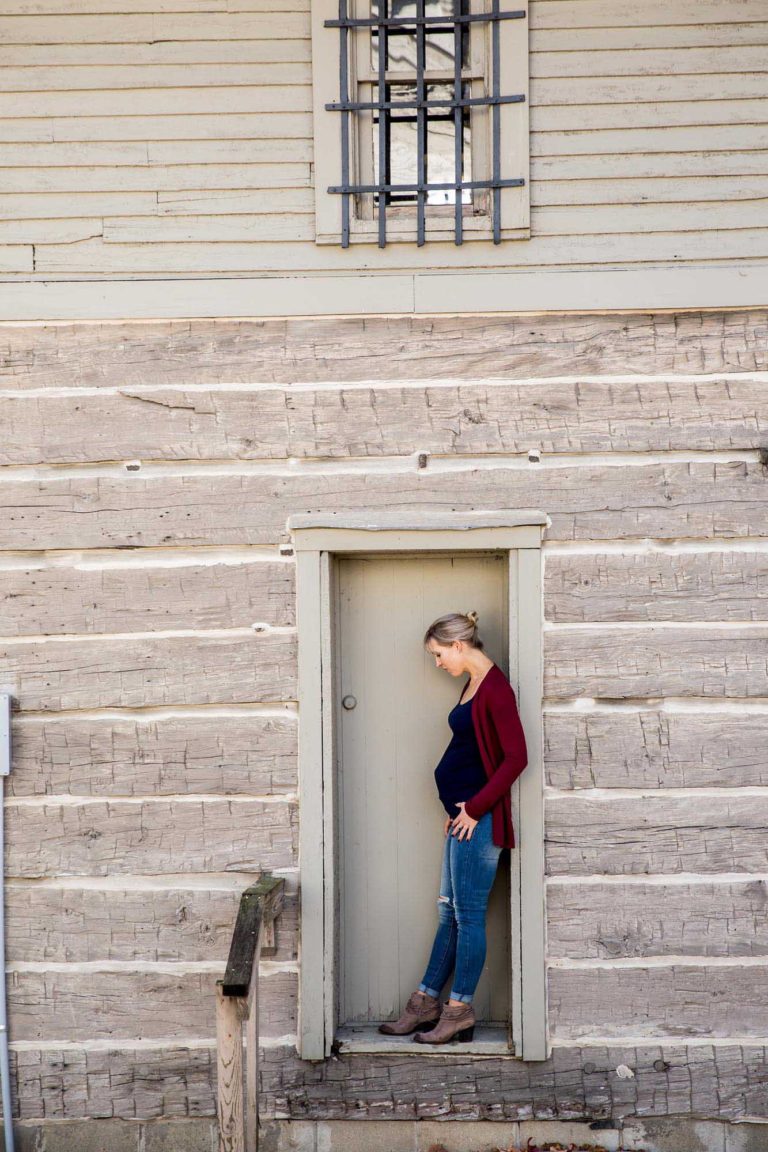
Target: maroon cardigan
{"type": "Point", "coordinates": [502, 747]}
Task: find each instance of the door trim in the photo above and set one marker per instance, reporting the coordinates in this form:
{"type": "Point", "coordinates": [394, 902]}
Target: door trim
{"type": "Point", "coordinates": [316, 538]}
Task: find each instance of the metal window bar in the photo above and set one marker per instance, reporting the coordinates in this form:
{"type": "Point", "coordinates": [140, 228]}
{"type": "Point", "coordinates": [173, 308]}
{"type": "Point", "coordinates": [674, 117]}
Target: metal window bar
{"type": "Point", "coordinates": [384, 188]}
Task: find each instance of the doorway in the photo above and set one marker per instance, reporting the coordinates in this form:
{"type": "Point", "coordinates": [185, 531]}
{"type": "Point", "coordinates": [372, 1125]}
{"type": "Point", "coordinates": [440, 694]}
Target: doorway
{"type": "Point", "coordinates": [392, 705]}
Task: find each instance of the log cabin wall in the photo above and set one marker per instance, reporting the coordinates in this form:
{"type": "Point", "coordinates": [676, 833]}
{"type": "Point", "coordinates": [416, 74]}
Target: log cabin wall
{"type": "Point", "coordinates": [157, 163]}
{"type": "Point", "coordinates": [150, 641]}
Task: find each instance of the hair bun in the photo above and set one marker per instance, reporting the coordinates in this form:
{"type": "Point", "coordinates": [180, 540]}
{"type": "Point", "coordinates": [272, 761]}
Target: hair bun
{"type": "Point", "coordinates": [473, 616]}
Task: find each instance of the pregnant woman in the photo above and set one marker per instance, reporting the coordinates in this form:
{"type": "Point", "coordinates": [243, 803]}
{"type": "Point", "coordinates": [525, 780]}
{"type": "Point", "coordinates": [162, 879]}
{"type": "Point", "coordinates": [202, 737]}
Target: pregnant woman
{"type": "Point", "coordinates": [485, 756]}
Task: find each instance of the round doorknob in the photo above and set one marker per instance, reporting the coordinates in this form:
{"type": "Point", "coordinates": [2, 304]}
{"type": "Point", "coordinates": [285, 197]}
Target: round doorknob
{"type": "Point", "coordinates": [349, 702]}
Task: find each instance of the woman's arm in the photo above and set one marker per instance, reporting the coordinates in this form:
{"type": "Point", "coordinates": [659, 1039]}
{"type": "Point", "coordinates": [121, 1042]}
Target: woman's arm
{"type": "Point", "coordinates": [506, 721]}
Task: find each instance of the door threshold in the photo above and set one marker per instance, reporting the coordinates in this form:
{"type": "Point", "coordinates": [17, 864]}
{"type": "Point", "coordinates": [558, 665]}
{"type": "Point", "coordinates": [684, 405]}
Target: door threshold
{"type": "Point", "coordinates": [488, 1040]}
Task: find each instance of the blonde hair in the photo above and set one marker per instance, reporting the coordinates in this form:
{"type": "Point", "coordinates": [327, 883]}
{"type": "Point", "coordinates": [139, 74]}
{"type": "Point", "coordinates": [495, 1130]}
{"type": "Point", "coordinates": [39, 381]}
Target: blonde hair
{"type": "Point", "coordinates": [454, 626]}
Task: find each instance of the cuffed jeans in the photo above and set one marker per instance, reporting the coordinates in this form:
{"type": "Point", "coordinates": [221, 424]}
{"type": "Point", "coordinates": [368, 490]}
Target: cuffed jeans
{"type": "Point", "coordinates": [468, 871]}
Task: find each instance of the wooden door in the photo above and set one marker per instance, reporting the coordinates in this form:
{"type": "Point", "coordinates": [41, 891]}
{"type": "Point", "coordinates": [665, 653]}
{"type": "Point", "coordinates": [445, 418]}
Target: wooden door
{"type": "Point", "coordinates": [392, 730]}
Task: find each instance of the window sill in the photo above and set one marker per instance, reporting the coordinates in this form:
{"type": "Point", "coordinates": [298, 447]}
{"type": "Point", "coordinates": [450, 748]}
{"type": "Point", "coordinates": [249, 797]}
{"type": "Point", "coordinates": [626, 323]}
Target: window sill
{"type": "Point", "coordinates": [489, 1040]}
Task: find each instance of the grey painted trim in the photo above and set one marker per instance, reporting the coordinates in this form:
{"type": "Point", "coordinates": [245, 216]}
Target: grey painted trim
{"type": "Point", "coordinates": [314, 547]}
{"type": "Point", "coordinates": [655, 288]}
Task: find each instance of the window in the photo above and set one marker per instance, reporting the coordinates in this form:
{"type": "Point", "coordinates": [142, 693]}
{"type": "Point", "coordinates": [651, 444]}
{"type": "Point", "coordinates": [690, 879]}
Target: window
{"type": "Point", "coordinates": [421, 120]}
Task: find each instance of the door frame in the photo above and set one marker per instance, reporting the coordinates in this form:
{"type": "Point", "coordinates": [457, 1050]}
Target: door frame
{"type": "Point", "coordinates": [316, 538]}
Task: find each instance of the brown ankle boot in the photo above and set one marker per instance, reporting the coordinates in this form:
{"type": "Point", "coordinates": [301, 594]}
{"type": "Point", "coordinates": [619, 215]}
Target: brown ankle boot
{"type": "Point", "coordinates": [457, 1022]}
{"type": "Point", "coordinates": [421, 1012]}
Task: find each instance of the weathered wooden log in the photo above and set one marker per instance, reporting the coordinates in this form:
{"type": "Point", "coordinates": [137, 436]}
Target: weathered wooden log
{"type": "Point", "coordinates": [165, 918]}
{"type": "Point", "coordinates": [125, 672]}
{"type": "Point", "coordinates": [476, 416]}
{"type": "Point", "coordinates": [692, 499]}
{"type": "Point", "coordinates": [70, 1004]}
{"type": "Point", "coordinates": [240, 752]}
{"type": "Point", "coordinates": [656, 833]}
{"type": "Point", "coordinates": [649, 748]}
{"type": "Point", "coordinates": [695, 918]}
{"type": "Point", "coordinates": [658, 1001]}
{"type": "Point", "coordinates": [142, 598]}
{"type": "Point", "coordinates": [109, 837]}
{"type": "Point", "coordinates": [363, 348]}
{"type": "Point", "coordinates": [721, 584]}
{"type": "Point", "coordinates": [664, 661]}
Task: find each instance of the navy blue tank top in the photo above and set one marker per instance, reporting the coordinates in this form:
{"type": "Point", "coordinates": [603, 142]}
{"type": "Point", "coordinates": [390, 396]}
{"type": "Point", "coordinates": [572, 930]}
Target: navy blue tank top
{"type": "Point", "coordinates": [460, 773]}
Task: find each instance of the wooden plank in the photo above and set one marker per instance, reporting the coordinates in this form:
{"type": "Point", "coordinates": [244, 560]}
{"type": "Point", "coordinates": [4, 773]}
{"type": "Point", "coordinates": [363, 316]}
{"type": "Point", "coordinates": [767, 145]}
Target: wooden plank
{"type": "Point", "coordinates": [147, 51]}
{"type": "Point", "coordinates": [139, 153]}
{"type": "Point", "coordinates": [634, 165]}
{"type": "Point", "coordinates": [656, 833]}
{"type": "Point", "coordinates": [144, 101]}
{"type": "Point", "coordinates": [656, 661]}
{"type": "Point", "coordinates": [172, 178]}
{"type": "Point", "coordinates": [593, 249]}
{"type": "Point", "coordinates": [67, 231]}
{"type": "Point", "coordinates": [615, 13]}
{"type": "Point", "coordinates": [696, 918]}
{"type": "Point", "coordinates": [659, 191]}
{"type": "Point", "coordinates": [649, 748]}
{"type": "Point", "coordinates": [208, 229]}
{"type": "Point", "coordinates": [468, 418]}
{"type": "Point", "coordinates": [223, 202]}
{"type": "Point", "coordinates": [159, 920]}
{"type": "Point", "coordinates": [723, 57]}
{"type": "Point", "coordinates": [674, 1001]}
{"type": "Point", "coordinates": [680, 499]}
{"type": "Point", "coordinates": [650, 37]}
{"type": "Point", "coordinates": [41, 78]}
{"type": "Point", "coordinates": [698, 114]}
{"type": "Point", "coordinates": [163, 836]}
{"type": "Point", "coordinates": [101, 29]}
{"type": "Point", "coordinates": [229, 1072]}
{"type": "Point", "coordinates": [240, 754]}
{"type": "Point", "coordinates": [357, 348]}
{"type": "Point", "coordinates": [124, 673]}
{"type": "Point", "coordinates": [277, 126]}
{"type": "Point", "coordinates": [17, 258]}
{"type": "Point", "coordinates": [28, 206]}
{"type": "Point", "coordinates": [675, 586]}
{"type": "Point", "coordinates": [60, 600]}
{"type": "Point", "coordinates": [603, 89]}
{"type": "Point", "coordinates": [595, 142]}
{"type": "Point", "coordinates": [91, 1005]}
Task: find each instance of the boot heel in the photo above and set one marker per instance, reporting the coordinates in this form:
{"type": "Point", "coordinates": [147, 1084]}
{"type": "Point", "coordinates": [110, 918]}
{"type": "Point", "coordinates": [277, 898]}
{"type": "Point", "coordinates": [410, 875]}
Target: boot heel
{"type": "Point", "coordinates": [425, 1026]}
{"type": "Point", "coordinates": [466, 1033]}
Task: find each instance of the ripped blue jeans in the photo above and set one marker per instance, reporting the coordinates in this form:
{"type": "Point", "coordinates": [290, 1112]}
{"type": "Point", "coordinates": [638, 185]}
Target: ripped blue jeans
{"type": "Point", "coordinates": [468, 871]}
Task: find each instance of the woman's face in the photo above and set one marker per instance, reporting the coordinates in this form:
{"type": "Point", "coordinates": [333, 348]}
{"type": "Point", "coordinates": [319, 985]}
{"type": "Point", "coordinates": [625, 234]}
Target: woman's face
{"type": "Point", "coordinates": [448, 656]}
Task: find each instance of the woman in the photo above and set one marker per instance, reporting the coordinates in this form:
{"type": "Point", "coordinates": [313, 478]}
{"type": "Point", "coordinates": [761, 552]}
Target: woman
{"type": "Point", "coordinates": [485, 756]}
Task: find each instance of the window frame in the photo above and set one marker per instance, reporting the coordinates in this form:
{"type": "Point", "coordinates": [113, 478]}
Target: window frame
{"type": "Point", "coordinates": [317, 538]}
{"type": "Point", "coordinates": [402, 221]}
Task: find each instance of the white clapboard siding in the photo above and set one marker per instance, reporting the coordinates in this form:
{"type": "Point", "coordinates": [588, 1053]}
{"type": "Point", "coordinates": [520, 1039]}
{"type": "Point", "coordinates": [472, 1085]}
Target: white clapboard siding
{"type": "Point", "coordinates": [255, 51]}
{"type": "Point", "coordinates": [40, 78]}
{"type": "Point", "coordinates": [609, 13]}
{"type": "Point", "coordinates": [175, 137]}
{"type": "Point", "coordinates": [649, 38]}
{"type": "Point", "coordinates": [659, 62]}
{"type": "Point", "coordinates": [553, 251]}
{"type": "Point", "coordinates": [69, 29]}
{"type": "Point", "coordinates": [701, 115]}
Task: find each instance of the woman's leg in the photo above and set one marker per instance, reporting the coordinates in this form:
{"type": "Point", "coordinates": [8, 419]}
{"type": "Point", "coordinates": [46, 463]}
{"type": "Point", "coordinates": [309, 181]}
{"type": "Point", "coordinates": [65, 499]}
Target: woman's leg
{"type": "Point", "coordinates": [474, 866]}
{"type": "Point", "coordinates": [443, 956]}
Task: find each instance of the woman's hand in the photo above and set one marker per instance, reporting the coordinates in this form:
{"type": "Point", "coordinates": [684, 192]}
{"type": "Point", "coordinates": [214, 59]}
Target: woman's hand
{"type": "Point", "coordinates": [463, 823]}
